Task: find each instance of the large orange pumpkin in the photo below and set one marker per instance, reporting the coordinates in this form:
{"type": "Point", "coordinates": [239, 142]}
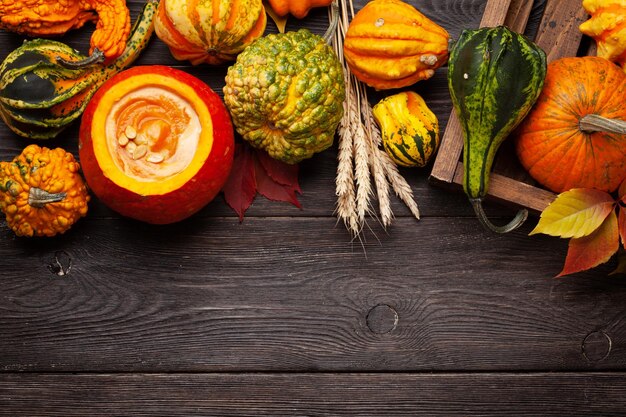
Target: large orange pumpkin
{"type": "Point", "coordinates": [575, 136]}
{"type": "Point", "coordinates": [156, 144]}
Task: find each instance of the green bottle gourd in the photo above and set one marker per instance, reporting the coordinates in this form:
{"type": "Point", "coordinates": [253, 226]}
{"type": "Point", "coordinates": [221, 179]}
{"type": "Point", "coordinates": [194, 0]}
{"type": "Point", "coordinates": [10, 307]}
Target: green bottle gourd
{"type": "Point", "coordinates": [495, 76]}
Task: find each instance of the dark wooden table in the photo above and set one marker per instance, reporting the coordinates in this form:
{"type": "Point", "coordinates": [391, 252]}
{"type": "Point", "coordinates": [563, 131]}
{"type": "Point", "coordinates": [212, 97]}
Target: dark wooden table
{"type": "Point", "coordinates": [283, 314]}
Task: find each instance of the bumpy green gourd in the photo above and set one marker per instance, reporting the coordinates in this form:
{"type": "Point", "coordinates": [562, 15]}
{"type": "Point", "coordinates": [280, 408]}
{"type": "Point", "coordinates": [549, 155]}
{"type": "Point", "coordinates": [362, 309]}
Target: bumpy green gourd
{"type": "Point", "coordinates": [495, 76]}
{"type": "Point", "coordinates": [45, 85]}
{"type": "Point", "coordinates": [285, 94]}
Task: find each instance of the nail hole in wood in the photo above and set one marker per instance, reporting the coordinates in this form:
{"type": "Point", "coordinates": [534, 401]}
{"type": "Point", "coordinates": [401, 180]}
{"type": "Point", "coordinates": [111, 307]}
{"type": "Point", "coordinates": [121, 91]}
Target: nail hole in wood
{"type": "Point", "coordinates": [382, 319]}
{"type": "Point", "coordinates": [596, 346]}
{"type": "Point", "coordinates": [61, 264]}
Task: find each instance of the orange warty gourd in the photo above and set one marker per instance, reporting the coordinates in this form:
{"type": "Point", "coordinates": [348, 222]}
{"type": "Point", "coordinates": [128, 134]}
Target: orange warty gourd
{"type": "Point", "coordinates": [42, 192]}
{"type": "Point", "coordinates": [607, 27]}
{"type": "Point", "coordinates": [575, 136]}
{"type": "Point", "coordinates": [297, 8]}
{"type": "Point", "coordinates": [209, 31]}
{"type": "Point", "coordinates": [51, 17]}
{"type": "Point", "coordinates": [390, 44]}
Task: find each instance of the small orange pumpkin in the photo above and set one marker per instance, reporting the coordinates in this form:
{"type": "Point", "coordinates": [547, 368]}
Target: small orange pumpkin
{"type": "Point", "coordinates": [390, 44]}
{"type": "Point", "coordinates": [297, 8]}
{"type": "Point", "coordinates": [575, 136]}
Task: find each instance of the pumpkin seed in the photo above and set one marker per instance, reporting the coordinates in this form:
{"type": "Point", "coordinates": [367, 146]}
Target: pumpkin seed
{"type": "Point", "coordinates": [130, 148]}
{"type": "Point", "coordinates": [131, 132]}
{"type": "Point", "coordinates": [141, 139]}
{"type": "Point", "coordinates": [155, 158]}
{"type": "Point", "coordinates": [122, 140]}
{"type": "Point", "coordinates": [140, 152]}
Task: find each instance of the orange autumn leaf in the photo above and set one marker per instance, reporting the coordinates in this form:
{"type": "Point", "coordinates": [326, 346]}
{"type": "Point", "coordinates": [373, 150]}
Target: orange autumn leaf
{"type": "Point", "coordinates": [594, 249]}
{"type": "Point", "coordinates": [575, 213]}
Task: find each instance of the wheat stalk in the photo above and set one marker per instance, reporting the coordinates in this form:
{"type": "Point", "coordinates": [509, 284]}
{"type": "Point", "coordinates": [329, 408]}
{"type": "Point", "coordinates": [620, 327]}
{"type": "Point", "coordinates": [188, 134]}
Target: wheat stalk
{"type": "Point", "coordinates": [360, 158]}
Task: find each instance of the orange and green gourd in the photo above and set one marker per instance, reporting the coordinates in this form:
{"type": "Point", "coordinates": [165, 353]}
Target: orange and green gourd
{"type": "Point", "coordinates": [209, 31]}
{"type": "Point", "coordinates": [45, 85]}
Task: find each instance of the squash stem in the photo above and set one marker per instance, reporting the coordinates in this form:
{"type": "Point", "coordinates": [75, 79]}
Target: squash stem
{"type": "Point", "coordinates": [595, 123]}
{"type": "Point", "coordinates": [95, 58]}
{"type": "Point", "coordinates": [38, 198]}
{"type": "Point", "coordinates": [517, 221]}
{"type": "Point", "coordinates": [334, 21]}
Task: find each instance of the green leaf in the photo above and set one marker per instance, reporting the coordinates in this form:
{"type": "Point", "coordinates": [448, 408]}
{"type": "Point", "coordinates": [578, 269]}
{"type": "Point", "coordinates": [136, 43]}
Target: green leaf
{"type": "Point", "coordinates": [590, 251]}
{"type": "Point", "coordinates": [575, 213]}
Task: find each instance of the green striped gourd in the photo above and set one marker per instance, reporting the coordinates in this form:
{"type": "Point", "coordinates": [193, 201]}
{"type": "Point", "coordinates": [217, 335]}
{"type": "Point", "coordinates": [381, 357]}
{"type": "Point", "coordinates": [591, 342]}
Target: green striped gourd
{"type": "Point", "coordinates": [409, 129]}
{"type": "Point", "coordinates": [495, 76]}
{"type": "Point", "coordinates": [45, 85]}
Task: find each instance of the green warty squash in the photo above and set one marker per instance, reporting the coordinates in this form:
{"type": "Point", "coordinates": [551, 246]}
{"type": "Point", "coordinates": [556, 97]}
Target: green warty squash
{"type": "Point", "coordinates": [285, 94]}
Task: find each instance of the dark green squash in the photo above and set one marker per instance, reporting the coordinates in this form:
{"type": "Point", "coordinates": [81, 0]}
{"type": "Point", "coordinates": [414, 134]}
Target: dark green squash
{"type": "Point", "coordinates": [495, 76]}
{"type": "Point", "coordinates": [45, 85]}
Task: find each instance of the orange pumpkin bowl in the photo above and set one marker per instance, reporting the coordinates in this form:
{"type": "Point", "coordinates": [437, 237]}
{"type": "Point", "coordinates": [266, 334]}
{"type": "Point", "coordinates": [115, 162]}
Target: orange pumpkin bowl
{"type": "Point", "coordinates": [156, 144]}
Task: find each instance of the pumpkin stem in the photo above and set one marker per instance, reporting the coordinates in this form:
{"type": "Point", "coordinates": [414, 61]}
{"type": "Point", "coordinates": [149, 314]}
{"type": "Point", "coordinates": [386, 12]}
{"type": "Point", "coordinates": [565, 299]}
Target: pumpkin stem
{"type": "Point", "coordinates": [95, 58]}
{"type": "Point", "coordinates": [334, 21]}
{"type": "Point", "coordinates": [596, 123]}
{"type": "Point", "coordinates": [517, 221]}
{"type": "Point", "coordinates": [38, 198]}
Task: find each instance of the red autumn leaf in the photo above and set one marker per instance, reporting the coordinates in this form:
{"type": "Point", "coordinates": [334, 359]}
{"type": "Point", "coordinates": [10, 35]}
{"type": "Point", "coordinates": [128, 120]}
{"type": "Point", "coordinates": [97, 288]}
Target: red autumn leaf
{"type": "Point", "coordinates": [240, 188]}
{"type": "Point", "coordinates": [621, 192]}
{"type": "Point", "coordinates": [594, 249]}
{"type": "Point", "coordinates": [280, 172]}
{"type": "Point", "coordinates": [272, 190]}
{"type": "Point", "coordinates": [254, 171]}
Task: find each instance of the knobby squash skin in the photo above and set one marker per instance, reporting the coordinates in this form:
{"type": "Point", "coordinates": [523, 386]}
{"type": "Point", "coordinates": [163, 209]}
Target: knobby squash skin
{"type": "Point", "coordinates": [176, 204]}
{"type": "Point", "coordinates": [45, 85]}
{"type": "Point", "coordinates": [53, 17]}
{"type": "Point", "coordinates": [42, 192]}
{"type": "Point", "coordinates": [494, 76]}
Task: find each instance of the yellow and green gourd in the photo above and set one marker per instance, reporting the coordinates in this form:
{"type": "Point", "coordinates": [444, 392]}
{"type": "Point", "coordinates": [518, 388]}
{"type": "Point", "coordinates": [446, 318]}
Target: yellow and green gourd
{"type": "Point", "coordinates": [285, 94]}
{"type": "Point", "coordinates": [409, 129]}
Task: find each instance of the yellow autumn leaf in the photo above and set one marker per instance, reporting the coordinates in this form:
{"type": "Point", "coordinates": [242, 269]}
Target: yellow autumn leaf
{"type": "Point", "coordinates": [575, 213]}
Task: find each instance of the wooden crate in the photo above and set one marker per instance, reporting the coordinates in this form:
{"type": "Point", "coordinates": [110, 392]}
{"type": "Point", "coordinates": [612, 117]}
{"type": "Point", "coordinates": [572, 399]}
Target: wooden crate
{"type": "Point", "coordinates": [559, 36]}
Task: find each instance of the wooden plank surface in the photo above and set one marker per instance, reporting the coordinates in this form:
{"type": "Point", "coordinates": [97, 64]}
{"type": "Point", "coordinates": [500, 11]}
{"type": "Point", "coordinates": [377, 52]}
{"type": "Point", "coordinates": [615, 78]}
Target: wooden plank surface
{"type": "Point", "coordinates": [284, 314]}
{"type": "Point", "coordinates": [594, 394]}
{"type": "Point", "coordinates": [216, 296]}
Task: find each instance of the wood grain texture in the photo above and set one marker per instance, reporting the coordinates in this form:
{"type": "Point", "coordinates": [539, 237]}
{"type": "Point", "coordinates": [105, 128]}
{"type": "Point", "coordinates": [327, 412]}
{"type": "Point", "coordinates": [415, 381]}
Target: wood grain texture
{"type": "Point", "coordinates": [596, 394]}
{"type": "Point", "coordinates": [284, 315]}
{"type": "Point", "coordinates": [213, 295]}
{"type": "Point", "coordinates": [558, 32]}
